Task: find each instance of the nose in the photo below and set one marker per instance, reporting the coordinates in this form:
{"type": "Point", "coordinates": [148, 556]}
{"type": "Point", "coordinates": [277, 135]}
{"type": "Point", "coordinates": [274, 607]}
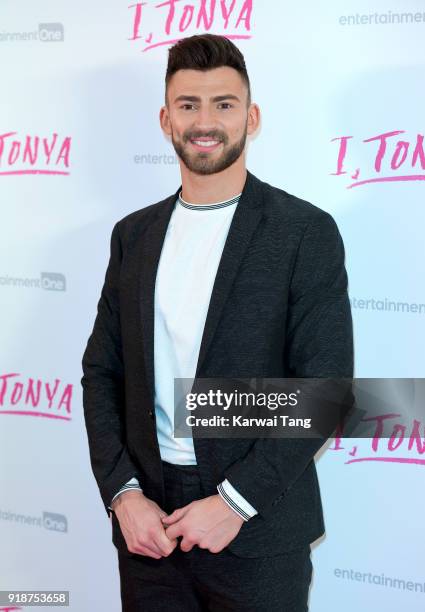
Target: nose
{"type": "Point", "coordinates": [205, 121]}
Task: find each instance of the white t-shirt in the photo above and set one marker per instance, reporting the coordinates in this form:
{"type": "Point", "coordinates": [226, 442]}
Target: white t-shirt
{"type": "Point", "coordinates": [187, 268]}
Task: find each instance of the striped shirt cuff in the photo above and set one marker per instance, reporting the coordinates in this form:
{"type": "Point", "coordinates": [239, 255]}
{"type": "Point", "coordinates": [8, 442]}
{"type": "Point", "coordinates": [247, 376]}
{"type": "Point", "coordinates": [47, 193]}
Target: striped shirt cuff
{"type": "Point", "coordinates": [235, 500]}
{"type": "Point", "coordinates": [131, 484]}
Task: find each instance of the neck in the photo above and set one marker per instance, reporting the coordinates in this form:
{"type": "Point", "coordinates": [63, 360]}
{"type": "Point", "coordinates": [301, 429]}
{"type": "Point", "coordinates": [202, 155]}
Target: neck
{"type": "Point", "coordinates": [210, 188]}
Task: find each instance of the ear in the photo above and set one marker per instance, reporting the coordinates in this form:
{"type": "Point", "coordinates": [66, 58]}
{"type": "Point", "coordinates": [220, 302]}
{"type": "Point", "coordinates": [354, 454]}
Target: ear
{"type": "Point", "coordinates": [254, 117]}
{"type": "Point", "coordinates": [164, 120]}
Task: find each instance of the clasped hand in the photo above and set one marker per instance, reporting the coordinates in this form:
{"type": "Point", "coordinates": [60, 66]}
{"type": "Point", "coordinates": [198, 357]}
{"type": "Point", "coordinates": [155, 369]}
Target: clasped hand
{"type": "Point", "coordinates": [209, 523]}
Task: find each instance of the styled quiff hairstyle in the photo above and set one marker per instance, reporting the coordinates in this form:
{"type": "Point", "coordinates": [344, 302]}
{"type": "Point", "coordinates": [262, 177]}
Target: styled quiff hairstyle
{"type": "Point", "coordinates": [205, 52]}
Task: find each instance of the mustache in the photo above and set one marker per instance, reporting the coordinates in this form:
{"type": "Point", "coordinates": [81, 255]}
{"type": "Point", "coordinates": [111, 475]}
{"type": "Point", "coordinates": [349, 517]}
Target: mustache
{"type": "Point", "coordinates": [211, 136]}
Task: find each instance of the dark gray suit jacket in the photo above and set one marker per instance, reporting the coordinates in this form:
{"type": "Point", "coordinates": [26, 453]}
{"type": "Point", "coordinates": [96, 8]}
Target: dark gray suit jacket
{"type": "Point", "coordinates": [279, 308]}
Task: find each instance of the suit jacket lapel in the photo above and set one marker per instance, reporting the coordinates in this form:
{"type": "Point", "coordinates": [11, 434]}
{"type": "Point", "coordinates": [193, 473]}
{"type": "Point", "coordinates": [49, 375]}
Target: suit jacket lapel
{"type": "Point", "coordinates": [153, 239]}
{"type": "Point", "coordinates": [244, 222]}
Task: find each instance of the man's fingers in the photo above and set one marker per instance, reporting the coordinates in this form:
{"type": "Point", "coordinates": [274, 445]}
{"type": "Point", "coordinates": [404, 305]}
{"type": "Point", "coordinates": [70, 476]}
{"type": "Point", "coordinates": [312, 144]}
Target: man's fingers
{"type": "Point", "coordinates": [144, 550]}
{"type": "Point", "coordinates": [185, 545]}
{"type": "Point", "coordinates": [148, 544]}
{"type": "Point", "coordinates": [173, 531]}
{"type": "Point", "coordinates": [175, 516]}
{"type": "Point", "coordinates": [165, 543]}
{"type": "Point", "coordinates": [153, 546]}
{"type": "Point", "coordinates": [159, 546]}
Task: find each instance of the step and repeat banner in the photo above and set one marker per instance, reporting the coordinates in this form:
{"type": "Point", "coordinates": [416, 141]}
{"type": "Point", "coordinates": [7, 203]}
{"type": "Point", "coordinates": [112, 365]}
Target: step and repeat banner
{"type": "Point", "coordinates": [341, 91]}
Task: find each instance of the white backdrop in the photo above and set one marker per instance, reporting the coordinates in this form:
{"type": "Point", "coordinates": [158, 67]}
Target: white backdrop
{"type": "Point", "coordinates": [81, 146]}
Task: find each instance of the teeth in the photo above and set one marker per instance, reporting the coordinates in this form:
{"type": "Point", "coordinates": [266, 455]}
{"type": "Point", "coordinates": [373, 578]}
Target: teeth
{"type": "Point", "coordinates": [207, 143]}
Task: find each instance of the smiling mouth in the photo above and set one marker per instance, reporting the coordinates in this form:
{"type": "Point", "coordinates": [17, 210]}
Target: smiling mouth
{"type": "Point", "coordinates": [205, 145]}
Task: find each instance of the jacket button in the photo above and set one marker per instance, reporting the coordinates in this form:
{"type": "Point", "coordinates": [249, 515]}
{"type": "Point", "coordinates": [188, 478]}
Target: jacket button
{"type": "Point", "coordinates": [151, 414]}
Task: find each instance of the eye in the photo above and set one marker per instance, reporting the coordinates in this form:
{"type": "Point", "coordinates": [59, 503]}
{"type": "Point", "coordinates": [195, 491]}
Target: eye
{"type": "Point", "coordinates": [228, 104]}
{"type": "Point", "coordinates": [186, 104]}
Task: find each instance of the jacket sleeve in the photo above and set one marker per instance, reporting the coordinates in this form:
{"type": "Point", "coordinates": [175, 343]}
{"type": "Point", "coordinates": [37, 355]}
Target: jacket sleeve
{"type": "Point", "coordinates": [103, 387]}
{"type": "Point", "coordinates": [318, 344]}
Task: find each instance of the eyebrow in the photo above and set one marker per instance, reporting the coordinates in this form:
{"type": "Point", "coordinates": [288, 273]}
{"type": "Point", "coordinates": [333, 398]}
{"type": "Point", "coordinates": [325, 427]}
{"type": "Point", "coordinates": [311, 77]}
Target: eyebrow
{"type": "Point", "coordinates": [214, 99]}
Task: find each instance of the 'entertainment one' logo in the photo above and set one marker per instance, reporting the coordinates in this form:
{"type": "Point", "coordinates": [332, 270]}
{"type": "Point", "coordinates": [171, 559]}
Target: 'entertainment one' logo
{"type": "Point", "coordinates": [50, 32]}
{"type": "Point", "coordinates": [55, 522]}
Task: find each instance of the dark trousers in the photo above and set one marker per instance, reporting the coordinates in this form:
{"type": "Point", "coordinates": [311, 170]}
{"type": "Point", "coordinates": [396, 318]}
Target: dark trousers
{"type": "Point", "coordinates": [199, 580]}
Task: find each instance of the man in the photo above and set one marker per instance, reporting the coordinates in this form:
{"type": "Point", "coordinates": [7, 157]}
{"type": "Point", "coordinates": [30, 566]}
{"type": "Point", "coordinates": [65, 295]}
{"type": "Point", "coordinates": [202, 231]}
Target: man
{"type": "Point", "coordinates": [227, 277]}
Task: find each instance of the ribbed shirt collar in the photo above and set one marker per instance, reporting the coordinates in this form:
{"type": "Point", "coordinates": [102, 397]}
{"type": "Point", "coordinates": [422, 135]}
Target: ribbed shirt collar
{"type": "Point", "coordinates": [212, 206]}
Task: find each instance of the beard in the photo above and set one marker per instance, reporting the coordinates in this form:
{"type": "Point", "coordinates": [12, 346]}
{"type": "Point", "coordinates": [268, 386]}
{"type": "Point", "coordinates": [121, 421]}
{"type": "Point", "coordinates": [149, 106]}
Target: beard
{"type": "Point", "coordinates": [204, 163]}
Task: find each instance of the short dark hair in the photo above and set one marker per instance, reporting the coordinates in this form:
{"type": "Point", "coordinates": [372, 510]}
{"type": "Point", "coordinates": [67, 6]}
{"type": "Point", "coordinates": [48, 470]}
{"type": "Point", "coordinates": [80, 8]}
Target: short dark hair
{"type": "Point", "coordinates": [205, 52]}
